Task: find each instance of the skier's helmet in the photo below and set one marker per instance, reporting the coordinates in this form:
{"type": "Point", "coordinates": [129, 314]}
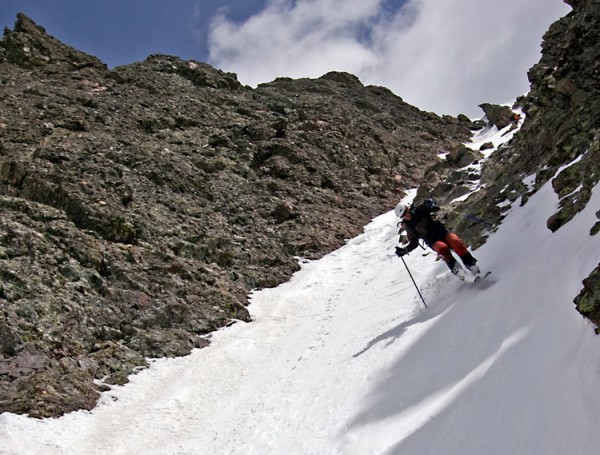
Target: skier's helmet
{"type": "Point", "coordinates": [400, 210]}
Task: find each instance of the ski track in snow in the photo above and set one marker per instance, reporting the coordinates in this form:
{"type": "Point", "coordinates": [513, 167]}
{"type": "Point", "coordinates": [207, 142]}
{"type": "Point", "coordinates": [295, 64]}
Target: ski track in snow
{"type": "Point", "coordinates": [343, 359]}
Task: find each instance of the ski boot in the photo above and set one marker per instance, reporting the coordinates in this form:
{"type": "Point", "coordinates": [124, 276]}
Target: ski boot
{"type": "Point", "coordinates": [471, 264]}
{"type": "Point", "coordinates": [457, 270]}
{"type": "Point", "coordinates": [474, 269]}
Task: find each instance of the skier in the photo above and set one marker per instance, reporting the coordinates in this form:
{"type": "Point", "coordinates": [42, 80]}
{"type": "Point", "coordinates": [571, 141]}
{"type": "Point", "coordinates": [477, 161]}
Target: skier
{"type": "Point", "coordinates": [419, 224]}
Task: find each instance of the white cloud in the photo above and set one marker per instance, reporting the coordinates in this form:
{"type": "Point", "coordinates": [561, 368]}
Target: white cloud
{"type": "Point", "coordinates": [305, 39]}
{"type": "Point", "coordinates": [442, 56]}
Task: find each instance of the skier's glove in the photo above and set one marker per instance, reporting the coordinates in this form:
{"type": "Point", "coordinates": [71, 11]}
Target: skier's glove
{"type": "Point", "coordinates": [430, 206]}
{"type": "Point", "coordinates": [400, 251]}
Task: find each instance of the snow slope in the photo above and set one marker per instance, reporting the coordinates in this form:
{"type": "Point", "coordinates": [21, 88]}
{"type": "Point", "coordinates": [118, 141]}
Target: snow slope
{"type": "Point", "coordinates": [344, 359]}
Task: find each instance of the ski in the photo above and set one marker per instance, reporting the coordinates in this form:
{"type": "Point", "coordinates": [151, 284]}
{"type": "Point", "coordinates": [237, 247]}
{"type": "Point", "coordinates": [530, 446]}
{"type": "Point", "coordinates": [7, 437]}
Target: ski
{"type": "Point", "coordinates": [479, 277]}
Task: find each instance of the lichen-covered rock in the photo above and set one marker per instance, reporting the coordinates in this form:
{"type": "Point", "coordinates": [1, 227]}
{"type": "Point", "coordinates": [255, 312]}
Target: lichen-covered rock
{"type": "Point", "coordinates": [588, 300]}
{"type": "Point", "coordinates": [499, 116]}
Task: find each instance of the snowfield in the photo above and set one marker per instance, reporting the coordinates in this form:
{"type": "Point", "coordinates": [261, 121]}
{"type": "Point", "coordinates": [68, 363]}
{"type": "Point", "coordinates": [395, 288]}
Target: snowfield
{"type": "Point", "coordinates": [345, 359]}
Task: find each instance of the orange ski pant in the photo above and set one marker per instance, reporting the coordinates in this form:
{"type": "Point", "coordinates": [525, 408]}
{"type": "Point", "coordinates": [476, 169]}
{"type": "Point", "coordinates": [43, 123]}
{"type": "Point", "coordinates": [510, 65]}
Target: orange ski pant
{"type": "Point", "coordinates": [451, 241]}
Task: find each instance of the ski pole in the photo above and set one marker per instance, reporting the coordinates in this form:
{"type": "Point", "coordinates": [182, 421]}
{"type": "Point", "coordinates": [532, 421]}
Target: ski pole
{"type": "Point", "coordinates": [473, 218]}
{"type": "Point", "coordinates": [478, 220]}
{"type": "Point", "coordinates": [413, 280]}
{"type": "Point", "coordinates": [422, 247]}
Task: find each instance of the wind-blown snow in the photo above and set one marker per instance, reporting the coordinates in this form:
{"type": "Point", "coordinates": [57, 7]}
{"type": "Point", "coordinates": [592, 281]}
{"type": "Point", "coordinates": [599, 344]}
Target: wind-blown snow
{"type": "Point", "coordinates": [344, 359]}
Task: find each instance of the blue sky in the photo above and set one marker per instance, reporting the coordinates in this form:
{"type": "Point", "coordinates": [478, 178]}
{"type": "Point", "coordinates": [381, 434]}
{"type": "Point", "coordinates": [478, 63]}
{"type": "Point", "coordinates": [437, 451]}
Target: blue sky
{"type": "Point", "coordinates": [126, 31]}
{"type": "Point", "coordinates": [442, 56]}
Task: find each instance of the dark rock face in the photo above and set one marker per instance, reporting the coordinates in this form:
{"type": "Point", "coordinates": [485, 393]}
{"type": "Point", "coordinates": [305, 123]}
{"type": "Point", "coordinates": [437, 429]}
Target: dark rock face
{"type": "Point", "coordinates": [588, 301]}
{"type": "Point", "coordinates": [499, 116]}
{"type": "Point", "coordinates": [141, 205]}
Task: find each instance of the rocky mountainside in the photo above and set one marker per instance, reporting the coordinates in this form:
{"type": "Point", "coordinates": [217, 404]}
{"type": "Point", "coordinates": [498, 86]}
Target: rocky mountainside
{"type": "Point", "coordinates": [140, 205]}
